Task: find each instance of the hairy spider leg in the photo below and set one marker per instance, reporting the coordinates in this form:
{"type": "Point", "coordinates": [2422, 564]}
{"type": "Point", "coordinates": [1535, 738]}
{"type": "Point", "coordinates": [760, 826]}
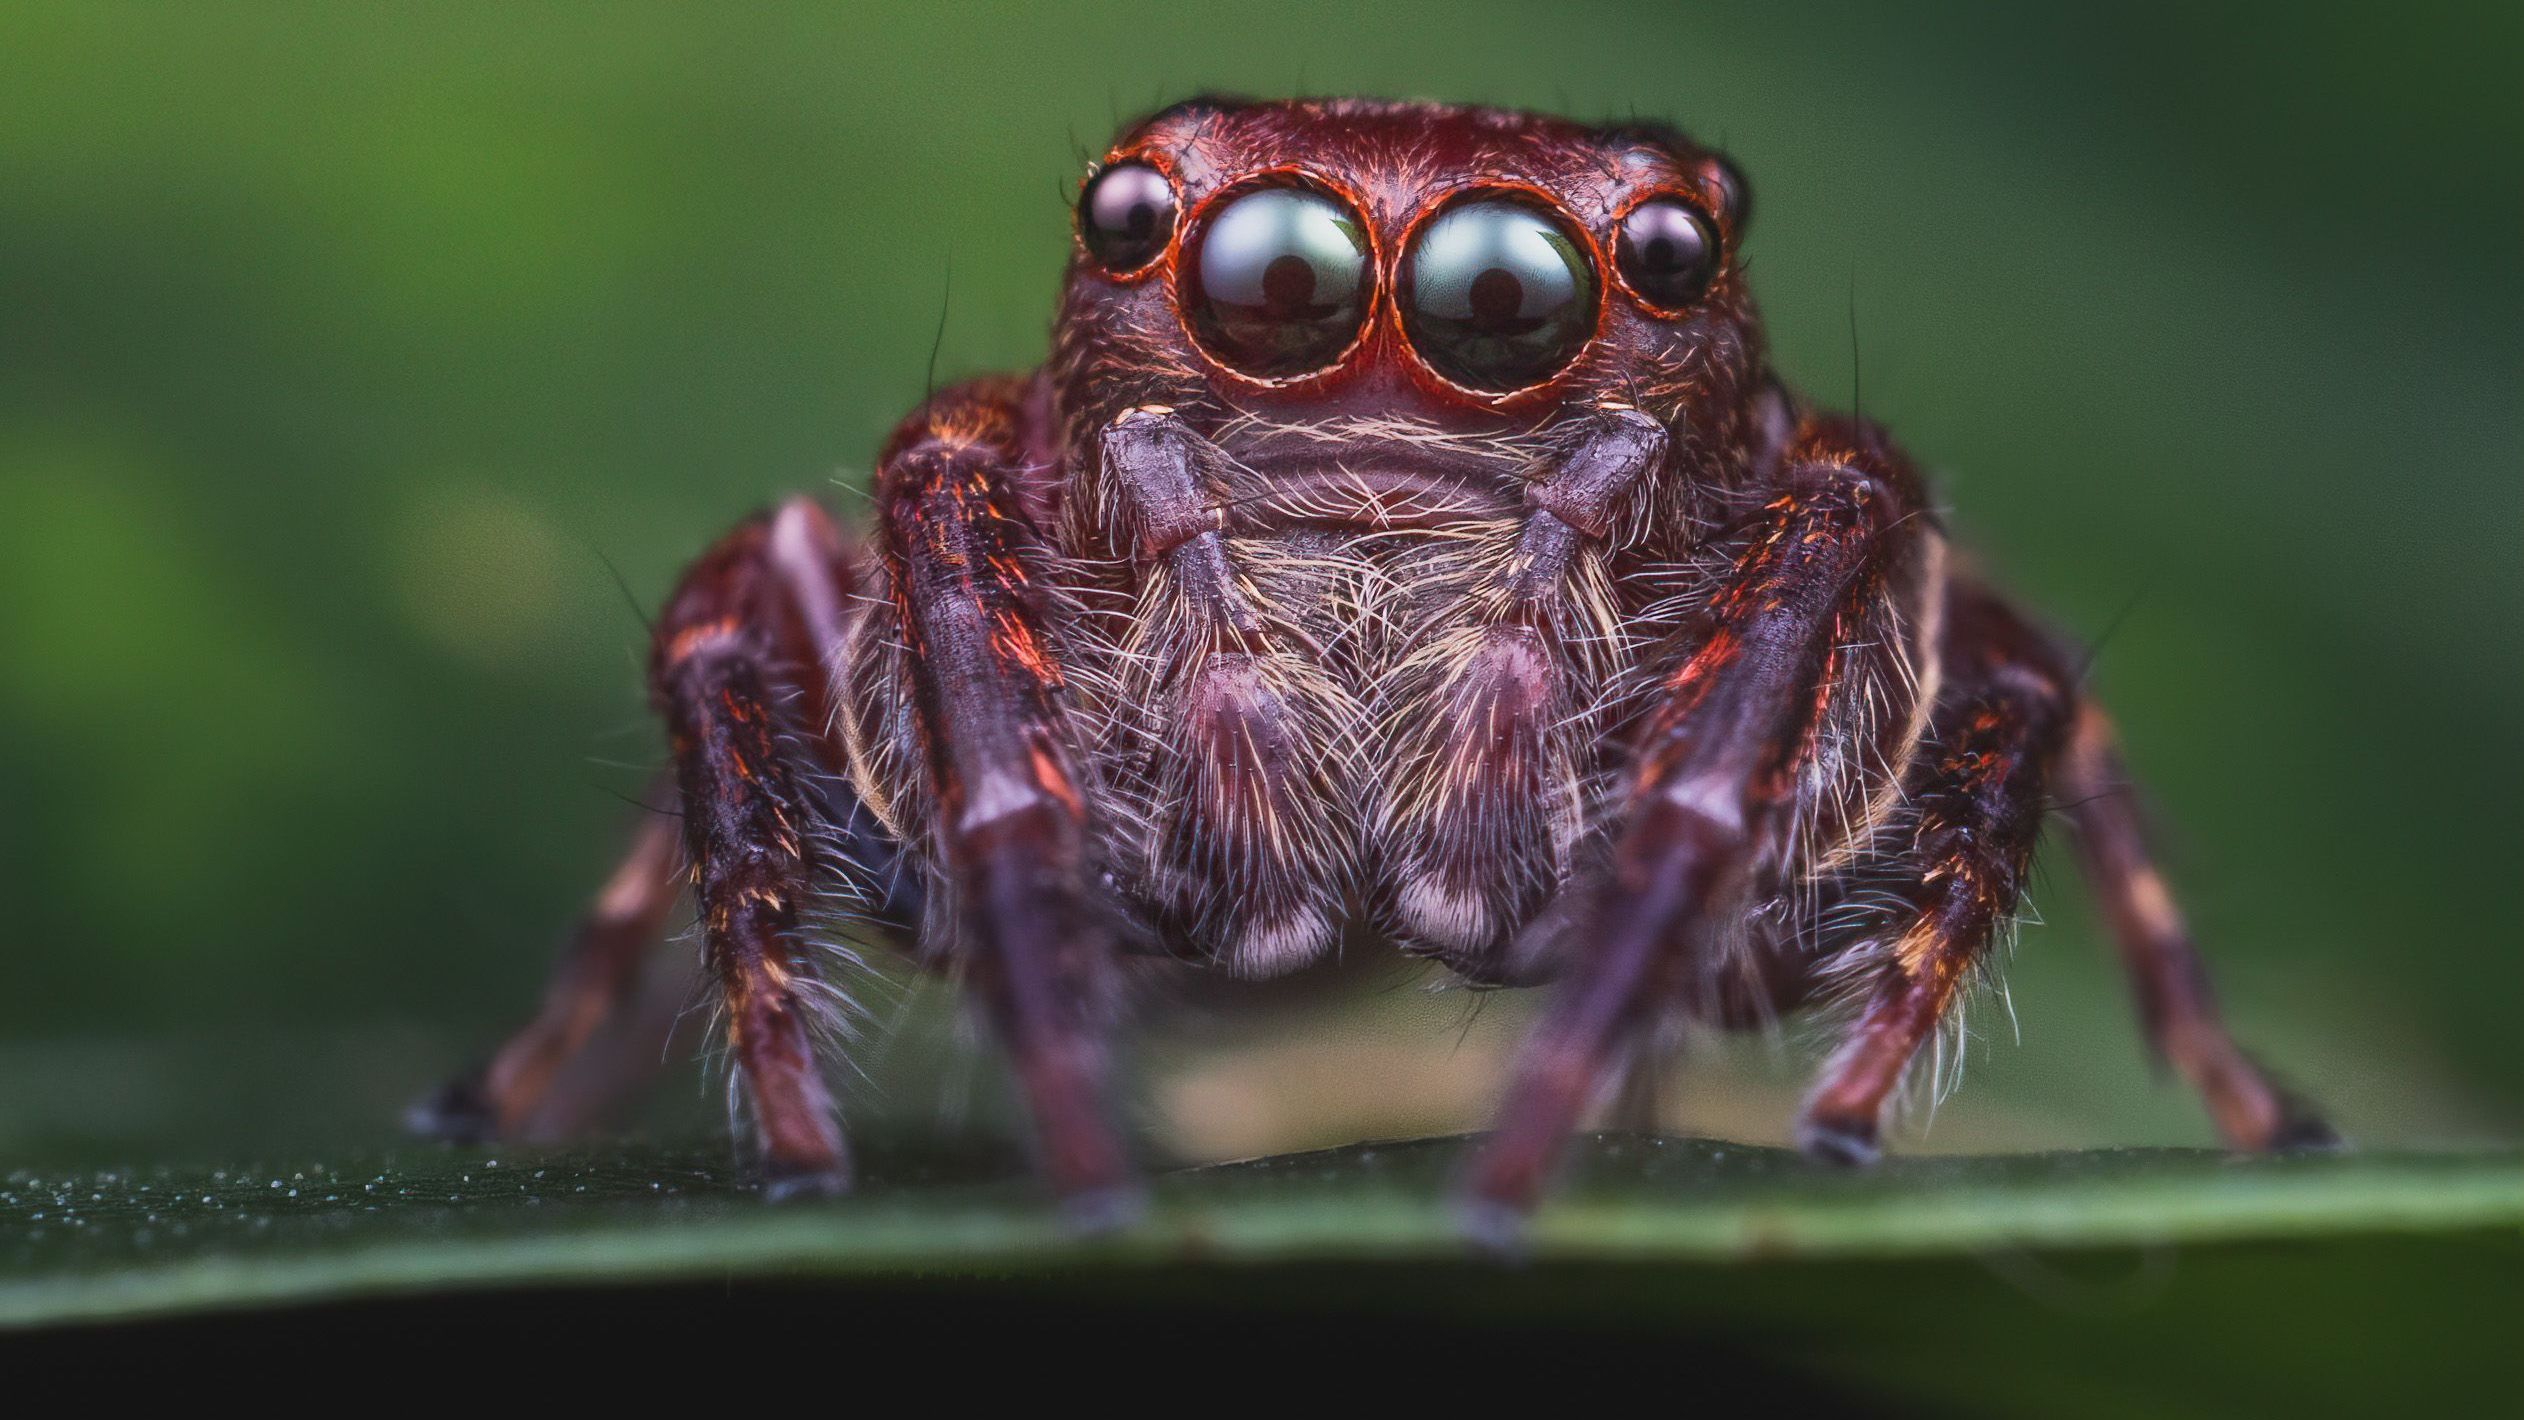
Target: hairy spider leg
{"type": "Point", "coordinates": [513, 1095]}
{"type": "Point", "coordinates": [1976, 799]}
{"type": "Point", "coordinates": [1718, 764]}
{"type": "Point", "coordinates": [2176, 1005]}
{"type": "Point", "coordinates": [751, 836]}
{"type": "Point", "coordinates": [1027, 930]}
{"type": "Point", "coordinates": [770, 594]}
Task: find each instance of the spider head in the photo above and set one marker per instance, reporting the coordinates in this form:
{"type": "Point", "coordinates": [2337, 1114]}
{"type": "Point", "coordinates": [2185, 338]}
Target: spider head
{"type": "Point", "coordinates": [1460, 267]}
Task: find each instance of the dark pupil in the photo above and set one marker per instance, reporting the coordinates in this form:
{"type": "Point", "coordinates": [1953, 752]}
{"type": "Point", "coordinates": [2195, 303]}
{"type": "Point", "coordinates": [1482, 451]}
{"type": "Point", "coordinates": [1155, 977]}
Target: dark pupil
{"type": "Point", "coordinates": [1126, 215]}
{"type": "Point", "coordinates": [1278, 283]}
{"type": "Point", "coordinates": [1666, 253]}
{"type": "Point", "coordinates": [1497, 296]}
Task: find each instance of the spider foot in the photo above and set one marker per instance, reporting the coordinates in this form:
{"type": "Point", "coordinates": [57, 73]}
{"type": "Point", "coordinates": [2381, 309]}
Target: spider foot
{"type": "Point", "coordinates": [1849, 1143]}
{"type": "Point", "coordinates": [790, 1185]}
{"type": "Point", "coordinates": [458, 1112]}
{"type": "Point", "coordinates": [2300, 1127]}
{"type": "Point", "coordinates": [2308, 1134]}
{"type": "Point", "coordinates": [1491, 1228]}
{"type": "Point", "coordinates": [1100, 1212]}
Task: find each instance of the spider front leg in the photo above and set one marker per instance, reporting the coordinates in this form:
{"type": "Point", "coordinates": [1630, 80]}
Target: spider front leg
{"type": "Point", "coordinates": [1717, 764]}
{"type": "Point", "coordinates": [1010, 819]}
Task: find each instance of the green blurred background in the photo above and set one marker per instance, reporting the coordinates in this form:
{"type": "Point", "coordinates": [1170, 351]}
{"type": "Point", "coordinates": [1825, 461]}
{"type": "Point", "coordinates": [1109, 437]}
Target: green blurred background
{"type": "Point", "coordinates": [342, 348]}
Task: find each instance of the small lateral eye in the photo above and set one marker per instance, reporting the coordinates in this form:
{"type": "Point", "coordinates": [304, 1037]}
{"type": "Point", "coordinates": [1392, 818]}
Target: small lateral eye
{"type": "Point", "coordinates": [1666, 252]}
{"type": "Point", "coordinates": [1126, 216]}
{"type": "Point", "coordinates": [1497, 295]}
{"type": "Point", "coordinates": [1276, 283]}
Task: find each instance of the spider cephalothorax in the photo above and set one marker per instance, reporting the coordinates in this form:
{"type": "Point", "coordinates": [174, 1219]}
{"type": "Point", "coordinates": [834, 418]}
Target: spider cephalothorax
{"type": "Point", "coordinates": [1407, 529]}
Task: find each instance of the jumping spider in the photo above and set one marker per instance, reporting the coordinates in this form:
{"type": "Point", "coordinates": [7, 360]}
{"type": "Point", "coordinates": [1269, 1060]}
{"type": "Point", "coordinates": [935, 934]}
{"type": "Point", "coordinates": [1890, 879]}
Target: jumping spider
{"type": "Point", "coordinates": [1408, 527]}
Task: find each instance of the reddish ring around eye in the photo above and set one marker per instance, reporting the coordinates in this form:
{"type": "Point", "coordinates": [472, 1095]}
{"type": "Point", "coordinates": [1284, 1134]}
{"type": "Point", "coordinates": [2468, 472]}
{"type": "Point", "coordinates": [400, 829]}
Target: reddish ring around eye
{"type": "Point", "coordinates": [1497, 293]}
{"type": "Point", "coordinates": [1126, 216]}
{"type": "Point", "coordinates": [1550, 206]}
{"type": "Point", "coordinates": [1276, 279]}
{"type": "Point", "coordinates": [1665, 253]}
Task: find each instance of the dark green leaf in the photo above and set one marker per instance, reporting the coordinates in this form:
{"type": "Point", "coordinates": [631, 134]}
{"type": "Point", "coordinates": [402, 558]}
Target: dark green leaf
{"type": "Point", "coordinates": [130, 1243]}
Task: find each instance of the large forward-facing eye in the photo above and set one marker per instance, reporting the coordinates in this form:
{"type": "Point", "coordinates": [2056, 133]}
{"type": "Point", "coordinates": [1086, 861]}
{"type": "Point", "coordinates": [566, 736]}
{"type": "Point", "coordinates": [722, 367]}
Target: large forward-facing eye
{"type": "Point", "coordinates": [1277, 281]}
{"type": "Point", "coordinates": [1497, 294]}
{"type": "Point", "coordinates": [1126, 216]}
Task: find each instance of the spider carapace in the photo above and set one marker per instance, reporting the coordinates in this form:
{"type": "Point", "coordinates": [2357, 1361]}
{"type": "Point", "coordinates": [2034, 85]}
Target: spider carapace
{"type": "Point", "coordinates": [1408, 532]}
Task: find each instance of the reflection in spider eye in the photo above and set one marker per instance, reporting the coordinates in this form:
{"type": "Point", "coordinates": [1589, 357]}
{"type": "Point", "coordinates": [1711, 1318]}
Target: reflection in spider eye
{"type": "Point", "coordinates": [1126, 216]}
{"type": "Point", "coordinates": [1497, 295]}
{"type": "Point", "coordinates": [1667, 253]}
{"type": "Point", "coordinates": [1277, 281]}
